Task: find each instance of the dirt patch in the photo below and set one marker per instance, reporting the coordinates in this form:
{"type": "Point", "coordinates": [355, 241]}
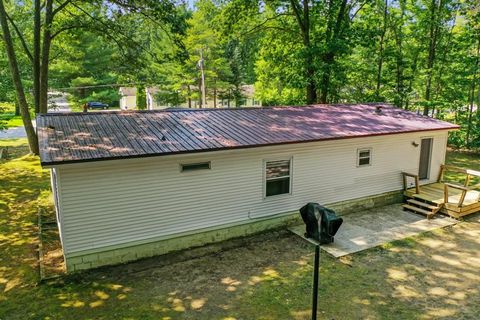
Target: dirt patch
{"type": "Point", "coordinates": [431, 276]}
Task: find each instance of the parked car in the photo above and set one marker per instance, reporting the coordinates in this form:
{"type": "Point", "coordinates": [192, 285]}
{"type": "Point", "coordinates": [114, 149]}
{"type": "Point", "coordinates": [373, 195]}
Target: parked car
{"type": "Point", "coordinates": [96, 105]}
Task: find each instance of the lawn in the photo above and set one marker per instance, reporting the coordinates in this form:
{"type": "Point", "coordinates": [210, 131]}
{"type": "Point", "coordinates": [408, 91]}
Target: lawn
{"type": "Point", "coordinates": [432, 276]}
{"type": "Point", "coordinates": [8, 119]}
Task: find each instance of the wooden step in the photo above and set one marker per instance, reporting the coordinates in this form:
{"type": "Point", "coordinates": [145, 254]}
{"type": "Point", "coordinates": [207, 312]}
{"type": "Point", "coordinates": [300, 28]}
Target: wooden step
{"type": "Point", "coordinates": [429, 214]}
{"type": "Point", "coordinates": [423, 204]}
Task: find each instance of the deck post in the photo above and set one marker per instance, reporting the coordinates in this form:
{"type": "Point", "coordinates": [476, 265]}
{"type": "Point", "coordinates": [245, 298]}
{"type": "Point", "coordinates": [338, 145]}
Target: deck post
{"type": "Point", "coordinates": [440, 174]}
{"type": "Point", "coordinates": [417, 181]}
{"type": "Point", "coordinates": [462, 198]}
{"type": "Point", "coordinates": [467, 180]}
{"type": "Point", "coordinates": [445, 193]}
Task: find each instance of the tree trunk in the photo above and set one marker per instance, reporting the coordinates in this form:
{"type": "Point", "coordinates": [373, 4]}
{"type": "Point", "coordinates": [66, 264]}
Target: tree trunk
{"type": "Point", "coordinates": [310, 71]}
{"type": "Point", "coordinates": [413, 75]}
{"type": "Point", "coordinates": [17, 81]}
{"type": "Point", "coordinates": [328, 59]}
{"type": "Point", "coordinates": [381, 50]}
{"type": "Point", "coordinates": [189, 92]}
{"type": "Point", "coordinates": [47, 40]}
{"type": "Point", "coordinates": [303, 20]}
{"type": "Point", "coordinates": [399, 57]}
{"type": "Point", "coordinates": [470, 112]}
{"type": "Point", "coordinates": [432, 47]}
{"type": "Point", "coordinates": [36, 55]}
{"type": "Point", "coordinates": [334, 29]}
{"type": "Point", "coordinates": [441, 66]}
{"type": "Point", "coordinates": [478, 80]}
{"type": "Point", "coordinates": [215, 96]}
{"type": "Point", "coordinates": [399, 86]}
{"type": "Point", "coordinates": [472, 95]}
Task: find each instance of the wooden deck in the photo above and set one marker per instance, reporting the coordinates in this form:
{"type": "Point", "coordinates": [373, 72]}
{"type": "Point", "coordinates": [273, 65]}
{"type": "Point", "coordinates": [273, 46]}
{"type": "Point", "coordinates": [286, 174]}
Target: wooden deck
{"type": "Point", "coordinates": [452, 199]}
{"type": "Point", "coordinates": [434, 193]}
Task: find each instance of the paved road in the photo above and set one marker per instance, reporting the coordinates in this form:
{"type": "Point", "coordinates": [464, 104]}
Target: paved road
{"type": "Point", "coordinates": [57, 102]}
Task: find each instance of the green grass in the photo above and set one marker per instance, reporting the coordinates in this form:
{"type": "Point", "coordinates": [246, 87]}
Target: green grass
{"type": "Point", "coordinates": [465, 160]}
{"type": "Point", "coordinates": [432, 276]}
{"type": "Point", "coordinates": [8, 119]}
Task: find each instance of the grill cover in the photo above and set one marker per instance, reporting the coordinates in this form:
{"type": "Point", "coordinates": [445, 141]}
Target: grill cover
{"type": "Point", "coordinates": [321, 223]}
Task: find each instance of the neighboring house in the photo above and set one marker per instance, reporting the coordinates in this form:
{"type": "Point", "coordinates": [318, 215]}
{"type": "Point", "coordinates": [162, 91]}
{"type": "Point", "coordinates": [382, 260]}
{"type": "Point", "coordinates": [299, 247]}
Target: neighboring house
{"type": "Point", "coordinates": [248, 92]}
{"type": "Point", "coordinates": [146, 183]}
{"type": "Point", "coordinates": [128, 98]}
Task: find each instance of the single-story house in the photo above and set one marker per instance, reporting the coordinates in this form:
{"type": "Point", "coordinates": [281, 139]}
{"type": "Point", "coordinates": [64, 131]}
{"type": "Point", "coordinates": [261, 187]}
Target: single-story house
{"type": "Point", "coordinates": [129, 185]}
{"type": "Point", "coordinates": [248, 92]}
{"type": "Point", "coordinates": [128, 98]}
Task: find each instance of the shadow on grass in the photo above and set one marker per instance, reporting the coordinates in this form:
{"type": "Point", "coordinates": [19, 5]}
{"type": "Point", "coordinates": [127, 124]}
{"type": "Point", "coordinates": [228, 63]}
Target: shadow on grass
{"type": "Point", "coordinates": [432, 276]}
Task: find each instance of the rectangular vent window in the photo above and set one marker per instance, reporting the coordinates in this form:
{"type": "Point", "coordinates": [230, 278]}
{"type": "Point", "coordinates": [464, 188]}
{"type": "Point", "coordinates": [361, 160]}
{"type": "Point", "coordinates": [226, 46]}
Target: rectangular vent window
{"type": "Point", "coordinates": [195, 166]}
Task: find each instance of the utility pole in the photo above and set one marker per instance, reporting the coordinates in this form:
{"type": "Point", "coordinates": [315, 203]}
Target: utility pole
{"type": "Point", "coordinates": [201, 65]}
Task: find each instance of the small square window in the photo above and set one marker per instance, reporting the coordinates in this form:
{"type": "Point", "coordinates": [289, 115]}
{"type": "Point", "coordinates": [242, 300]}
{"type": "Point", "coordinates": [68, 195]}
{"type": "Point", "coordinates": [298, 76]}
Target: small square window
{"type": "Point", "coordinates": [277, 177]}
{"type": "Point", "coordinates": [364, 157]}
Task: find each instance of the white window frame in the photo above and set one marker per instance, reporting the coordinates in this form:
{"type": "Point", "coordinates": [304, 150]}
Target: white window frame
{"type": "Point", "coordinates": [290, 177]}
{"type": "Point", "coordinates": [360, 150]}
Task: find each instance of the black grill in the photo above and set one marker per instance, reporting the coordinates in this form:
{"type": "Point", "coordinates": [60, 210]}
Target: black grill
{"type": "Point", "coordinates": [321, 223]}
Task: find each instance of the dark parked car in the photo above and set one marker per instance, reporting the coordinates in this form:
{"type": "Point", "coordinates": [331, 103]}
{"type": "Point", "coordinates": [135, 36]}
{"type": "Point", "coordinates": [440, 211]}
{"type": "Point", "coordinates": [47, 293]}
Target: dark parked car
{"type": "Point", "coordinates": [96, 105]}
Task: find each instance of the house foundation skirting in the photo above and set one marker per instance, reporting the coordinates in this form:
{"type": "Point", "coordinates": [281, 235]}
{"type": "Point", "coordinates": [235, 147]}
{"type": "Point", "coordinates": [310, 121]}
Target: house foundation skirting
{"type": "Point", "coordinates": [153, 247]}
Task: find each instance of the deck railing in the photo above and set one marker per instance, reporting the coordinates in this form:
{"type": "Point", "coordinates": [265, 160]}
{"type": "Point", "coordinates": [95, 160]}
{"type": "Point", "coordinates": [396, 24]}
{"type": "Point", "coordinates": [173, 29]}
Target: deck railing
{"type": "Point", "coordinates": [446, 186]}
{"type": "Point", "coordinates": [454, 186]}
{"type": "Point", "coordinates": [468, 173]}
{"type": "Point", "coordinates": [465, 188]}
{"type": "Point", "coordinates": [411, 175]}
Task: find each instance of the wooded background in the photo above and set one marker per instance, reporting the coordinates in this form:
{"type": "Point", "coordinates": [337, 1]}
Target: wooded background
{"type": "Point", "coordinates": [421, 55]}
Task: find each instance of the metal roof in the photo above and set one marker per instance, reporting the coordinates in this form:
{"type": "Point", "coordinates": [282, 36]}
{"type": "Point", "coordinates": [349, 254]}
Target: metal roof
{"type": "Point", "coordinates": [94, 136]}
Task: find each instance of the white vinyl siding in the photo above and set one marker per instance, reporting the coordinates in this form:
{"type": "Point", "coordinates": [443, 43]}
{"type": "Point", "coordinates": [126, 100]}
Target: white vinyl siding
{"type": "Point", "coordinates": [117, 202]}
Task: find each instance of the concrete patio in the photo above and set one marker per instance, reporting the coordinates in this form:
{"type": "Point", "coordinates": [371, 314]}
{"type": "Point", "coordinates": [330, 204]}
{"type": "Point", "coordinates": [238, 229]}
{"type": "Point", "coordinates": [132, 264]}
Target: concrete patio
{"type": "Point", "coordinates": [370, 228]}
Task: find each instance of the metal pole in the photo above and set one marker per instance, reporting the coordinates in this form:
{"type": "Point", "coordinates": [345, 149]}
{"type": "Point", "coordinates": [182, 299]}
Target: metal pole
{"type": "Point", "coordinates": [315, 282]}
{"type": "Point", "coordinates": [202, 62]}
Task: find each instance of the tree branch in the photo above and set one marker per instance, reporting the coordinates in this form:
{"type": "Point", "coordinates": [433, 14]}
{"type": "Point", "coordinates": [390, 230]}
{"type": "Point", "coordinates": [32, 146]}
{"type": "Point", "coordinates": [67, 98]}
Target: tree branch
{"type": "Point", "coordinates": [296, 12]}
{"type": "Point", "coordinates": [60, 7]}
{"type": "Point", "coordinates": [55, 57]}
{"type": "Point", "coordinates": [258, 26]}
{"type": "Point", "coordinates": [67, 28]}
{"type": "Point", "coordinates": [20, 35]}
{"type": "Point", "coordinates": [104, 32]}
{"type": "Point", "coordinates": [358, 10]}
{"type": "Point", "coordinates": [109, 28]}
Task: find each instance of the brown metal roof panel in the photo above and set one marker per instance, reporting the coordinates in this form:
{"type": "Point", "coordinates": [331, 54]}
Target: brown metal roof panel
{"type": "Point", "coordinates": [202, 130]}
{"type": "Point", "coordinates": [224, 134]}
{"type": "Point", "coordinates": [178, 142]}
{"type": "Point", "coordinates": [109, 135]}
{"type": "Point", "coordinates": [152, 137]}
{"type": "Point", "coordinates": [189, 139]}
